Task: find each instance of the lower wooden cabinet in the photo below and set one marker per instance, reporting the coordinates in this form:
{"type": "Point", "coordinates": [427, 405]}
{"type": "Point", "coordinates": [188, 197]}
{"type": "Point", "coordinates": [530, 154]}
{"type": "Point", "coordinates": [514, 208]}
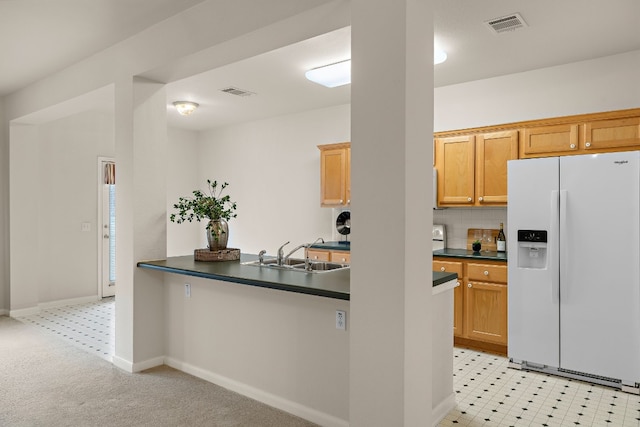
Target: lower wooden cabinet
{"type": "Point", "coordinates": [342, 257]}
{"type": "Point", "coordinates": [480, 303]}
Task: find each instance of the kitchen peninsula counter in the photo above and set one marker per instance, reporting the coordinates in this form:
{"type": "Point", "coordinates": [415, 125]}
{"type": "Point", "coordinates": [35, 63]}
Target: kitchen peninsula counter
{"type": "Point", "coordinates": [333, 284]}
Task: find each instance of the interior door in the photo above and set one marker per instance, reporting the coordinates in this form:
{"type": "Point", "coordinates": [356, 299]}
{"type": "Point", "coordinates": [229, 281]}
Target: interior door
{"type": "Point", "coordinates": [108, 234]}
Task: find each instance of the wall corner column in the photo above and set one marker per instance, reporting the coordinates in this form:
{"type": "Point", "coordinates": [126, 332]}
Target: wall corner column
{"type": "Point", "coordinates": [391, 174]}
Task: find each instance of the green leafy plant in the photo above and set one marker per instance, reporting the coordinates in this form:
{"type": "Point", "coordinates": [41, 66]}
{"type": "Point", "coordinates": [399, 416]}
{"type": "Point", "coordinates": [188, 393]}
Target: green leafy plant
{"type": "Point", "coordinates": [211, 205]}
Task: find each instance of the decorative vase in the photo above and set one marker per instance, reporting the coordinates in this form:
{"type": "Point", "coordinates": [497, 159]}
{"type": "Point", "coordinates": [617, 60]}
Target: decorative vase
{"type": "Point", "coordinates": [217, 234]}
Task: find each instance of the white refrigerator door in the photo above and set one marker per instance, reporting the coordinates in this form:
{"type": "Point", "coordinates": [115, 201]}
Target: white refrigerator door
{"type": "Point", "coordinates": [599, 264]}
{"type": "Point", "coordinates": [533, 293]}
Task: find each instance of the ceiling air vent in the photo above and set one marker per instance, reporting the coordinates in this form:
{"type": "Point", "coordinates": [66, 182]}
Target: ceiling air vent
{"type": "Point", "coordinates": [235, 91]}
{"type": "Point", "coordinates": [506, 23]}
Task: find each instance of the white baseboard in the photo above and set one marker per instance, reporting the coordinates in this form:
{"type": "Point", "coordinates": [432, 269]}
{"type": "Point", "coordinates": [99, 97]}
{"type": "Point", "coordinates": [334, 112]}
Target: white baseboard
{"type": "Point", "coordinates": [443, 408]}
{"type": "Point", "coordinates": [270, 399]}
{"type": "Point", "coordinates": [131, 367]}
{"type": "Point", "coordinates": [52, 304]}
{"type": "Point", "coordinates": [121, 363]}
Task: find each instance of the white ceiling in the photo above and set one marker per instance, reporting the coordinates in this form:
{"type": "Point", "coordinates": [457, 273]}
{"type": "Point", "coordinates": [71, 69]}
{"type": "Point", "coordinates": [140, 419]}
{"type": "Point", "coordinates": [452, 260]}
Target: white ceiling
{"type": "Point", "coordinates": [39, 37]}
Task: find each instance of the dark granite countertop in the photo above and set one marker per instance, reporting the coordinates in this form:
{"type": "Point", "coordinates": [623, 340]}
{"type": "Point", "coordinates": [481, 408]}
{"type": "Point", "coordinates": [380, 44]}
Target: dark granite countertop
{"type": "Point", "coordinates": [334, 284]}
{"type": "Point", "coordinates": [466, 254]}
{"type": "Point", "coordinates": [440, 277]}
{"type": "Point", "coordinates": [333, 246]}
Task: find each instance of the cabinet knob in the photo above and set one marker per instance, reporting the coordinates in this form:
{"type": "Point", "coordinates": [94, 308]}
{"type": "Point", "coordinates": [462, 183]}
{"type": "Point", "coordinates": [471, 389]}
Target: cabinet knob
{"type": "Point", "coordinates": [572, 146]}
{"type": "Point", "coordinates": [588, 144]}
{"type": "Point", "coordinates": [486, 273]}
{"type": "Point", "coordinates": [469, 285]}
{"type": "Point", "coordinates": [349, 201]}
{"type": "Point", "coordinates": [341, 201]}
{"type": "Point", "coordinates": [441, 268]}
{"type": "Point", "coordinates": [469, 199]}
{"type": "Point", "coordinates": [480, 198]}
{"type": "Point", "coordinates": [343, 259]}
{"type": "Point", "coordinates": [315, 257]}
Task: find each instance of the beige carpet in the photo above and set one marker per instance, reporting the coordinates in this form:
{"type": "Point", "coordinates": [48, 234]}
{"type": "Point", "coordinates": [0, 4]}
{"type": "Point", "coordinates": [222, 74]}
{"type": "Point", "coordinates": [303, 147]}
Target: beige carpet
{"type": "Point", "coordinates": [45, 381]}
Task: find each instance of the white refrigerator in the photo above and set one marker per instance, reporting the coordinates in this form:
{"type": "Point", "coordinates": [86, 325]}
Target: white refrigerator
{"type": "Point", "coordinates": [574, 267]}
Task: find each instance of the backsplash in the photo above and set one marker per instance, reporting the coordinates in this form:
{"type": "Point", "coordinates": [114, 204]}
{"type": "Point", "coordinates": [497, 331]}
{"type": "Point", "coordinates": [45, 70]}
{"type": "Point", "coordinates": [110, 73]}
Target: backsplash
{"type": "Point", "coordinates": [458, 220]}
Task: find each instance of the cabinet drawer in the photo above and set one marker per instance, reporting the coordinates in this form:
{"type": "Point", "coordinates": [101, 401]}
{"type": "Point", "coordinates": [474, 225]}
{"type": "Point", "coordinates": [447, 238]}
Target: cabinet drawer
{"type": "Point", "coordinates": [449, 267]}
{"type": "Point", "coordinates": [487, 273]}
{"type": "Point", "coordinates": [316, 255]}
{"type": "Point", "coordinates": [340, 257]}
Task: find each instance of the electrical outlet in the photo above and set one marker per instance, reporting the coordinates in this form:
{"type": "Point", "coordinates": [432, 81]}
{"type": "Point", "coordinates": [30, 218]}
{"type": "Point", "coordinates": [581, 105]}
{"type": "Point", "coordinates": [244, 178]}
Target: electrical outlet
{"type": "Point", "coordinates": [187, 290]}
{"type": "Point", "coordinates": [341, 320]}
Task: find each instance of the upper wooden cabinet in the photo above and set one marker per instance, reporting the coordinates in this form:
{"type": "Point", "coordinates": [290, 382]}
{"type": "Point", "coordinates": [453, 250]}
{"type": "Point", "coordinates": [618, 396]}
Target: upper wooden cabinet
{"type": "Point", "coordinates": [550, 140]}
{"type": "Point", "coordinates": [472, 169]}
{"type": "Point", "coordinates": [588, 133]}
{"type": "Point", "coordinates": [493, 150]}
{"type": "Point", "coordinates": [335, 174]}
{"type": "Point", "coordinates": [604, 135]}
{"type": "Point", "coordinates": [455, 162]}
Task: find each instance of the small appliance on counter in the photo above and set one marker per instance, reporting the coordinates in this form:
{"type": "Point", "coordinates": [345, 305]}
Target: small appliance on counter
{"type": "Point", "coordinates": [343, 225]}
{"type": "Point", "coordinates": [439, 237]}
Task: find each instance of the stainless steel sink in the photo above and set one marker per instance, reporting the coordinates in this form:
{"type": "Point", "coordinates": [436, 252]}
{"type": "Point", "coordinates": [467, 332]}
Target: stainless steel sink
{"type": "Point", "coordinates": [297, 264]}
{"type": "Point", "coordinates": [319, 267]}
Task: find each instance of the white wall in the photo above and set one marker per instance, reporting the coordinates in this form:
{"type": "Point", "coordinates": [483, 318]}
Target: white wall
{"type": "Point", "coordinates": [182, 179]}
{"type": "Point", "coordinates": [68, 195]}
{"type": "Point", "coordinates": [282, 349]}
{"type": "Point", "coordinates": [63, 188]}
{"type": "Point", "coordinates": [4, 212]}
{"type": "Point", "coordinates": [602, 84]}
{"type": "Point", "coordinates": [273, 170]}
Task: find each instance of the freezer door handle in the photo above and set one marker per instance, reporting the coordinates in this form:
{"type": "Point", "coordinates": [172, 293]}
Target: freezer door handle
{"type": "Point", "coordinates": [552, 247]}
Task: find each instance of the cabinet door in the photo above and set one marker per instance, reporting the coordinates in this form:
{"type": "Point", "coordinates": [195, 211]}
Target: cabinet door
{"type": "Point", "coordinates": [493, 150]}
{"type": "Point", "coordinates": [455, 160]}
{"type": "Point", "coordinates": [550, 140]}
{"type": "Point", "coordinates": [318, 255]}
{"type": "Point", "coordinates": [333, 176]}
{"type": "Point", "coordinates": [486, 312]}
{"type": "Point", "coordinates": [604, 134]}
{"type": "Point", "coordinates": [341, 257]}
{"type": "Point", "coordinates": [458, 293]}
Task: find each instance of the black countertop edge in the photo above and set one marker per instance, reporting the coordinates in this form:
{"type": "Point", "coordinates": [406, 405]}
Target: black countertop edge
{"type": "Point", "coordinates": [440, 277]}
{"type": "Point", "coordinates": [334, 246]}
{"type": "Point", "coordinates": [466, 254]}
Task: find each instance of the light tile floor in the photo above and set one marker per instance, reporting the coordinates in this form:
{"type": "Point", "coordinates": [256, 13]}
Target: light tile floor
{"type": "Point", "coordinates": [488, 393]}
{"type": "Point", "coordinates": [89, 326]}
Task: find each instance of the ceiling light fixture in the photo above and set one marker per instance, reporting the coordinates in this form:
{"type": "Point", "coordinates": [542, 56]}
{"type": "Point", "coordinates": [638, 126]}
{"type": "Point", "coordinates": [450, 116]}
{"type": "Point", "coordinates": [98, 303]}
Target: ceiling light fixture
{"type": "Point", "coordinates": [185, 107]}
{"type": "Point", "coordinates": [439, 56]}
{"type": "Point", "coordinates": [332, 75]}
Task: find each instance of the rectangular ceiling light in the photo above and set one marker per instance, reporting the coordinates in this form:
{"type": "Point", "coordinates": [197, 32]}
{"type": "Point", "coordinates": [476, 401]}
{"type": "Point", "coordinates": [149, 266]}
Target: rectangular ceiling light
{"type": "Point", "coordinates": [332, 75]}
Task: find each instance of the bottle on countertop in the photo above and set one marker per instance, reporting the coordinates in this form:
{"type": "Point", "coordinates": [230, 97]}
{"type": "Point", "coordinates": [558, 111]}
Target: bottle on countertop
{"type": "Point", "coordinates": [501, 241]}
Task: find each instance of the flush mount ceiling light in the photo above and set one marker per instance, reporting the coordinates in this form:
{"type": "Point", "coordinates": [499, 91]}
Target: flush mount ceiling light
{"type": "Point", "coordinates": [332, 75]}
{"type": "Point", "coordinates": [185, 107]}
{"type": "Point", "coordinates": [439, 56]}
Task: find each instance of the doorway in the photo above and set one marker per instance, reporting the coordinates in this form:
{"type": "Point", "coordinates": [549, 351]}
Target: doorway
{"type": "Point", "coordinates": [107, 227]}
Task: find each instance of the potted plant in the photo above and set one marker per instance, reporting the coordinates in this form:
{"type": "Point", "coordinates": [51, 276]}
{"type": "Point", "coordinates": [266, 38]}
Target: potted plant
{"type": "Point", "coordinates": [212, 206]}
{"type": "Point", "coordinates": [476, 246]}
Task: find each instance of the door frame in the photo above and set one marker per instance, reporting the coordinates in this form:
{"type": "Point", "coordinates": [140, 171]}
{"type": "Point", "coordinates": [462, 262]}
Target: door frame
{"type": "Point", "coordinates": [100, 182]}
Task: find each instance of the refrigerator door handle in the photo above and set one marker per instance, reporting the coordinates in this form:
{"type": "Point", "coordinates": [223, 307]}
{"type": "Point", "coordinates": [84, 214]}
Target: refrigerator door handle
{"type": "Point", "coordinates": [552, 247]}
{"type": "Point", "coordinates": [563, 237]}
